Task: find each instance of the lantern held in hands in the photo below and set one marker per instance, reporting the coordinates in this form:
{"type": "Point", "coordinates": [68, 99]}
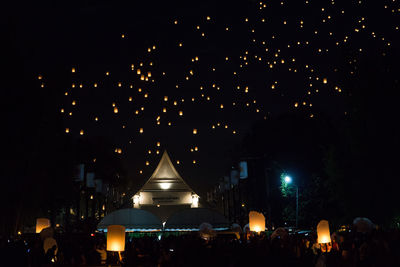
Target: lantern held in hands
{"type": "Point", "coordinates": [116, 238]}
{"type": "Point", "coordinates": [323, 232]}
{"type": "Point", "coordinates": [256, 221]}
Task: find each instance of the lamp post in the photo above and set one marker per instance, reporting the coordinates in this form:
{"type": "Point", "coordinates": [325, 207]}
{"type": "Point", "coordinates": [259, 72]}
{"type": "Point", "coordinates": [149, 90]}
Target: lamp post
{"type": "Point", "coordinates": [288, 180]}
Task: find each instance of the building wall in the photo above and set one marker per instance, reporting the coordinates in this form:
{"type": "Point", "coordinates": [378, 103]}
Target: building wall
{"type": "Point", "coordinates": [165, 198]}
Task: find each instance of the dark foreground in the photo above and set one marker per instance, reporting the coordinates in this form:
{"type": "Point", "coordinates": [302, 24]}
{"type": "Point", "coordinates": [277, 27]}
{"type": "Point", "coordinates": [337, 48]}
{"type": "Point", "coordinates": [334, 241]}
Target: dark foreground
{"type": "Point", "coordinates": [375, 249]}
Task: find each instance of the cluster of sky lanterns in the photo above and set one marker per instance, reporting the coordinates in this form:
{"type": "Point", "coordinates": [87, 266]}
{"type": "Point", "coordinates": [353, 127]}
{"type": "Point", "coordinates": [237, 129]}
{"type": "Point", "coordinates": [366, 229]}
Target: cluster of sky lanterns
{"type": "Point", "coordinates": [267, 53]}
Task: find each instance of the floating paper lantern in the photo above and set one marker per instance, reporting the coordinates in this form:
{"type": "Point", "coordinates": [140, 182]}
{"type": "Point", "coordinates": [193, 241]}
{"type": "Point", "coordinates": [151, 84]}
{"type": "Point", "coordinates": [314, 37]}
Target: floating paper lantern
{"type": "Point", "coordinates": [42, 223]}
{"type": "Point", "coordinates": [323, 232]}
{"type": "Point", "coordinates": [256, 221]}
{"type": "Point", "coordinates": [116, 238]}
{"type": "Point", "coordinates": [195, 201]}
{"type": "Point", "coordinates": [194, 131]}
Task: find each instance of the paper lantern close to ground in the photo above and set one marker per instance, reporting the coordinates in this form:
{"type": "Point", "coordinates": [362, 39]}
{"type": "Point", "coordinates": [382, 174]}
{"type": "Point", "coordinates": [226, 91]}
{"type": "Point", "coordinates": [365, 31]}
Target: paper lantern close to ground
{"type": "Point", "coordinates": [42, 223]}
{"type": "Point", "coordinates": [256, 221]}
{"type": "Point", "coordinates": [116, 238]}
{"type": "Point", "coordinates": [324, 235]}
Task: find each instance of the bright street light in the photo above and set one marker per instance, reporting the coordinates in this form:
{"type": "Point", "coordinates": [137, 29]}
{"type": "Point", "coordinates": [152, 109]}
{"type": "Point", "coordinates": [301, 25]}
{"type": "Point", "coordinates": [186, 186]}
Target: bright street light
{"type": "Point", "coordinates": [288, 179]}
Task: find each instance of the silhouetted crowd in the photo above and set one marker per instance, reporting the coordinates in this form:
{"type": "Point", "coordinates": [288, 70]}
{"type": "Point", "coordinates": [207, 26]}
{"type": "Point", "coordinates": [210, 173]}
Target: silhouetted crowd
{"type": "Point", "coordinates": [347, 249]}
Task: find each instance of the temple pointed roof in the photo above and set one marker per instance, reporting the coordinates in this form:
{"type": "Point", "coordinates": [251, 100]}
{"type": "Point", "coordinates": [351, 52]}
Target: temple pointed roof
{"type": "Point", "coordinates": [165, 178]}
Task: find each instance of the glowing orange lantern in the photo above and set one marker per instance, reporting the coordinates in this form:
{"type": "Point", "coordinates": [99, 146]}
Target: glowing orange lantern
{"type": "Point", "coordinates": [116, 238]}
{"type": "Point", "coordinates": [256, 221]}
{"type": "Point", "coordinates": [42, 223]}
{"type": "Point", "coordinates": [323, 232]}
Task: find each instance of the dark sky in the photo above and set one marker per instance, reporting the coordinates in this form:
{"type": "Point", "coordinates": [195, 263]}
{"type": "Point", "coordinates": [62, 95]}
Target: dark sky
{"type": "Point", "coordinates": [255, 59]}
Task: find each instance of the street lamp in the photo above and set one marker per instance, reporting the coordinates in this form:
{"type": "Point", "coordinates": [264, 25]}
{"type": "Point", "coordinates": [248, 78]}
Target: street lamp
{"type": "Point", "coordinates": [288, 180]}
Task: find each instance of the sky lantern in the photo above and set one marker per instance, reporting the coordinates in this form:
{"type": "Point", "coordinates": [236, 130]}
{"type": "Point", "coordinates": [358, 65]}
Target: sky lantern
{"type": "Point", "coordinates": [195, 201]}
{"type": "Point", "coordinates": [256, 221]}
{"type": "Point", "coordinates": [262, 54]}
{"type": "Point", "coordinates": [141, 130]}
{"type": "Point", "coordinates": [116, 238]}
{"type": "Point", "coordinates": [323, 232]}
{"type": "Point", "coordinates": [42, 223]}
{"type": "Point", "coordinates": [67, 130]}
{"type": "Point", "coordinates": [81, 132]}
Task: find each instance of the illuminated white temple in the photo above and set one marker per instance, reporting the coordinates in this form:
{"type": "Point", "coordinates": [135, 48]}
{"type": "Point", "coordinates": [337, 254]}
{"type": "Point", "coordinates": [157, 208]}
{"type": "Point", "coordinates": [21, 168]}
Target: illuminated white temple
{"type": "Point", "coordinates": [165, 202]}
{"type": "Point", "coordinates": [165, 190]}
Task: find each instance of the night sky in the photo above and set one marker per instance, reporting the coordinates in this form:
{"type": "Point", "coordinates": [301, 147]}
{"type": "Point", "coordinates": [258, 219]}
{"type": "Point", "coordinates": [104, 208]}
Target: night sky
{"type": "Point", "coordinates": [172, 69]}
